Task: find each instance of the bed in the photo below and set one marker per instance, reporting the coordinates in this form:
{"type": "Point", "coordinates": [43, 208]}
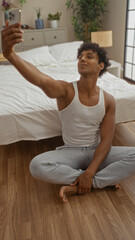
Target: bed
{"type": "Point", "coordinates": [26, 113]}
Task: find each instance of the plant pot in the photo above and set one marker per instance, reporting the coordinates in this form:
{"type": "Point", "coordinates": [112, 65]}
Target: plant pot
{"type": "Point", "coordinates": [54, 23]}
{"type": "Point", "coordinates": [39, 23]}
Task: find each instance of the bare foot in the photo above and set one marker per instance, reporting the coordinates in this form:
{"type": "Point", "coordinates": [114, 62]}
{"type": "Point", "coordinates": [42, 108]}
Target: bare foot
{"type": "Point", "coordinates": [67, 191]}
{"type": "Point", "coordinates": [117, 186]}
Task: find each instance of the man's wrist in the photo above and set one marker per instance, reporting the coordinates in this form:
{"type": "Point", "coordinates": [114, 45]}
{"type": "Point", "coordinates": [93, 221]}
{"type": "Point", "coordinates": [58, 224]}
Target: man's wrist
{"type": "Point", "coordinates": [12, 58]}
{"type": "Point", "coordinates": [90, 172]}
{"type": "Point", "coordinates": [7, 55]}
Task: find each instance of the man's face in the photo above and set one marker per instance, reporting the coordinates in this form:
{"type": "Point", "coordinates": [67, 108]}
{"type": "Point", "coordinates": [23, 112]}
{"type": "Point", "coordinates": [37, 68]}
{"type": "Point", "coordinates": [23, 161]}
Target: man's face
{"type": "Point", "coordinates": [88, 63]}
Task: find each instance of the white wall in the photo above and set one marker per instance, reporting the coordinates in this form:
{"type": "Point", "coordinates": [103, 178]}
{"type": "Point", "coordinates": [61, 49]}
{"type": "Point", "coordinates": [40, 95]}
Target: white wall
{"type": "Point", "coordinates": [115, 20]}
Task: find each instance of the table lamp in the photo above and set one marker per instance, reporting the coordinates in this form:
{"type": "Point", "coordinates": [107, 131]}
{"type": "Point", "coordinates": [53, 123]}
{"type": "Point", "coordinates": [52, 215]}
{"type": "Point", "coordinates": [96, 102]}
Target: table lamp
{"type": "Point", "coordinates": [103, 38]}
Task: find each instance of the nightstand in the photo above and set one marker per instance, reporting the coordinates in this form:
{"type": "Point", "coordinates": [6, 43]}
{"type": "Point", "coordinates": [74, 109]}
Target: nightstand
{"type": "Point", "coordinates": [3, 60]}
{"type": "Point", "coordinates": [41, 37]}
{"type": "Point", "coordinates": [115, 68]}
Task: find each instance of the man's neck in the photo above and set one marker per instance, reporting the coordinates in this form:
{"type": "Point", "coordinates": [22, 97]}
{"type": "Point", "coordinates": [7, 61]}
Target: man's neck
{"type": "Point", "coordinates": [88, 84]}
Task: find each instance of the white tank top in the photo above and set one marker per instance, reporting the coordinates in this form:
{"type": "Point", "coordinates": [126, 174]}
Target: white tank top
{"type": "Point", "coordinates": [80, 123]}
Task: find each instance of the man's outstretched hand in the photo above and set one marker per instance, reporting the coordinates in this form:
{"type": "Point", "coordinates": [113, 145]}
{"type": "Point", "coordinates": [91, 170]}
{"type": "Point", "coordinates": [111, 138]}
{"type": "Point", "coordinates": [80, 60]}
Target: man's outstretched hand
{"type": "Point", "coordinates": [10, 36]}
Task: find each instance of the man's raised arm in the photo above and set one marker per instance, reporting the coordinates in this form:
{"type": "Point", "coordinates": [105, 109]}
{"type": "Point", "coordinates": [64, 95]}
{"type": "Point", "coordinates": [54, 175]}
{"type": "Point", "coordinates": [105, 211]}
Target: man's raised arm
{"type": "Point", "coordinates": [12, 35]}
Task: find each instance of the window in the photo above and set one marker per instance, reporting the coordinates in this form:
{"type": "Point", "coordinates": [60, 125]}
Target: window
{"type": "Point", "coordinates": [129, 56]}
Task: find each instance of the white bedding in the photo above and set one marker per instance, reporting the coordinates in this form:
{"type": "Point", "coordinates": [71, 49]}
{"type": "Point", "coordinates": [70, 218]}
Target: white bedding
{"type": "Point", "coordinates": [26, 113]}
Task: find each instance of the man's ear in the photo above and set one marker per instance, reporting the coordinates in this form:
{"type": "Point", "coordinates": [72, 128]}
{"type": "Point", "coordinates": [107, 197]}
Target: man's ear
{"type": "Point", "coordinates": [101, 65]}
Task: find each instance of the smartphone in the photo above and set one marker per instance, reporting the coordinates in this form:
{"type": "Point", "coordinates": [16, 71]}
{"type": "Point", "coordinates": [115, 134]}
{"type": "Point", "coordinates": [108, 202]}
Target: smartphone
{"type": "Point", "coordinates": [14, 16]}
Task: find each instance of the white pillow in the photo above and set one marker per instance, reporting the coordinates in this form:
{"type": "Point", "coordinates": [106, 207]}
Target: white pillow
{"type": "Point", "coordinates": [38, 56]}
{"type": "Point", "coordinates": [65, 52]}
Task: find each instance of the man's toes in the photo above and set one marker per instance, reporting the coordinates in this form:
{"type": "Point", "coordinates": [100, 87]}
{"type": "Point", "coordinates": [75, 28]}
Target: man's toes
{"type": "Point", "coordinates": [61, 194]}
{"type": "Point", "coordinates": [118, 186]}
{"type": "Point", "coordinates": [64, 199]}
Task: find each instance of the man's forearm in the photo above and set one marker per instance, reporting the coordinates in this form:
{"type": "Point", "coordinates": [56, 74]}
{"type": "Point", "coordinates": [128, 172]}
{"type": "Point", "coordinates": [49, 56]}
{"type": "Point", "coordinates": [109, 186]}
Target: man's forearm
{"type": "Point", "coordinates": [100, 154]}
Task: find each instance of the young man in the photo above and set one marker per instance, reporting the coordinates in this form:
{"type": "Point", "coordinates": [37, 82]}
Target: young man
{"type": "Point", "coordinates": [87, 115]}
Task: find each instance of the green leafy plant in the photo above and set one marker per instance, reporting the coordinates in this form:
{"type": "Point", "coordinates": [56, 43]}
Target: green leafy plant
{"type": "Point", "coordinates": [86, 16]}
{"type": "Point", "coordinates": [55, 16]}
{"type": "Point", "coordinates": [38, 12]}
{"type": "Point", "coordinates": [22, 2]}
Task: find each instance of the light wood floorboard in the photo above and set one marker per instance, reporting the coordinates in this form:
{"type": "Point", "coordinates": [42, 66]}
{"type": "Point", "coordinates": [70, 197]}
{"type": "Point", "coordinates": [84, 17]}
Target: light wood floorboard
{"type": "Point", "coordinates": [31, 209]}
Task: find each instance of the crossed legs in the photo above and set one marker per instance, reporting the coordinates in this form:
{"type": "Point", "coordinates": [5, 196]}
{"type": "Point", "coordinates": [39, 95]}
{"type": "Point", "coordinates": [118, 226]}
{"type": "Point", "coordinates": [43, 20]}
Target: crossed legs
{"type": "Point", "coordinates": [65, 164]}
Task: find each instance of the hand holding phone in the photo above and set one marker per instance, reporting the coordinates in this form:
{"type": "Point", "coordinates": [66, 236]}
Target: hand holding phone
{"type": "Point", "coordinates": [10, 36]}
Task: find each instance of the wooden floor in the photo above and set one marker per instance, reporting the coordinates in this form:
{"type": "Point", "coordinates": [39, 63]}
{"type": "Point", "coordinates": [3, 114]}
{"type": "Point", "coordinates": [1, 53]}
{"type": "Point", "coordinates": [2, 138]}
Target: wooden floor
{"type": "Point", "coordinates": [31, 209]}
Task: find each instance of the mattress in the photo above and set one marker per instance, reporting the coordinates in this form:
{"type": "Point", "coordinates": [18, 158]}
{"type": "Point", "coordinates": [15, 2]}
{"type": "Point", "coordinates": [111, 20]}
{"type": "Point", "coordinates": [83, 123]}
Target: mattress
{"type": "Point", "coordinates": [26, 113]}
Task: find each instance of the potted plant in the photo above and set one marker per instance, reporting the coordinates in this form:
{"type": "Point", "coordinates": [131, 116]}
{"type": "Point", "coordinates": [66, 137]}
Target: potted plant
{"type": "Point", "coordinates": [22, 2]}
{"type": "Point", "coordinates": [54, 19]}
{"type": "Point", "coordinates": [39, 23]}
{"type": "Point", "coordinates": [86, 16]}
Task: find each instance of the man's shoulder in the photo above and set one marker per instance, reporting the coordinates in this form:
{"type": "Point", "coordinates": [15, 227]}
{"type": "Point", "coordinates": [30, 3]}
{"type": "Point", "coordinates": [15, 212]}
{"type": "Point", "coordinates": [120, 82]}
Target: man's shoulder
{"type": "Point", "coordinates": [109, 100]}
{"type": "Point", "coordinates": [108, 96]}
{"type": "Point", "coordinates": [65, 83]}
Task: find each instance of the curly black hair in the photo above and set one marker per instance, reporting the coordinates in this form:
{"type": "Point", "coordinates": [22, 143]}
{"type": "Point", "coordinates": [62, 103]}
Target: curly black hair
{"type": "Point", "coordinates": [102, 54]}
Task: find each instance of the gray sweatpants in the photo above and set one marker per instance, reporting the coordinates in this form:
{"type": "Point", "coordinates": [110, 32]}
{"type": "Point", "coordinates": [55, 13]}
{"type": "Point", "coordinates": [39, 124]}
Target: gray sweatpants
{"type": "Point", "coordinates": [65, 164]}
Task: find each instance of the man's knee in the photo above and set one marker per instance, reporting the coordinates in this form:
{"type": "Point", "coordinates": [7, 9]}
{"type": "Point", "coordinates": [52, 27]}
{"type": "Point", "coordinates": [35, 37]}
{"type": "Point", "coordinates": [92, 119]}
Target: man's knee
{"type": "Point", "coordinates": [35, 167]}
{"type": "Point", "coordinates": [42, 167]}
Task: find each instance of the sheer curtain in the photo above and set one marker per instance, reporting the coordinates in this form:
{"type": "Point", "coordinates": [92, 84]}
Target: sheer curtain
{"type": "Point", "coordinates": [129, 58]}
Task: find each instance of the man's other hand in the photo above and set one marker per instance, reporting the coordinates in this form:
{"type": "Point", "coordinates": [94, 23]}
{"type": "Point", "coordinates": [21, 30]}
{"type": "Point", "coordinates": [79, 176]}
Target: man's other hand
{"type": "Point", "coordinates": [84, 182]}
